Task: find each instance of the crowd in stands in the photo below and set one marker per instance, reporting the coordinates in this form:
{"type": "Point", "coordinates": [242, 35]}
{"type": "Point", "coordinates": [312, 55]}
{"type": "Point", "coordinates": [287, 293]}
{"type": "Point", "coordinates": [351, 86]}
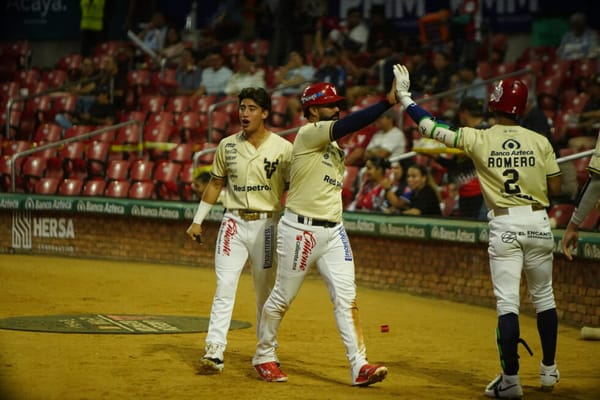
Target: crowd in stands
{"type": "Point", "coordinates": [184, 101]}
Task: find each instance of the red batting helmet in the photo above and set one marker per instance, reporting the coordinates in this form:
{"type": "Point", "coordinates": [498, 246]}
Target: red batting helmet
{"type": "Point", "coordinates": [319, 94]}
{"type": "Point", "coordinates": [509, 96]}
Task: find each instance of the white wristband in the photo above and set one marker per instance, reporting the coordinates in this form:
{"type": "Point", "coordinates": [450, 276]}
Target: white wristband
{"type": "Point", "coordinates": [406, 101]}
{"type": "Point", "coordinates": [202, 212]}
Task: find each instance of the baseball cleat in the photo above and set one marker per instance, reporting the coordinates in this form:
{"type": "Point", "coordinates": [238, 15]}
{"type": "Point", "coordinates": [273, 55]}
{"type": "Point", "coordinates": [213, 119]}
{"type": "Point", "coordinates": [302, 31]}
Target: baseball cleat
{"type": "Point", "coordinates": [505, 387]}
{"type": "Point", "coordinates": [270, 372]}
{"type": "Point", "coordinates": [370, 374]}
{"type": "Point", "coordinates": [213, 365]}
{"type": "Point", "coordinates": [549, 376]}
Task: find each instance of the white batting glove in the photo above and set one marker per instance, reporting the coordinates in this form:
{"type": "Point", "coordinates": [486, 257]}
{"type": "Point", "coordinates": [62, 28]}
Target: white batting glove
{"type": "Point", "coordinates": [402, 81]}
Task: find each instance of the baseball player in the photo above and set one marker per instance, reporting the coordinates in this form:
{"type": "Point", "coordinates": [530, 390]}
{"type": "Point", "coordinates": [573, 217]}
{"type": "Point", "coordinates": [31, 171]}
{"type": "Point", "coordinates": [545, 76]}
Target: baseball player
{"type": "Point", "coordinates": [253, 167]}
{"type": "Point", "coordinates": [589, 195]}
{"type": "Point", "coordinates": [517, 169]}
{"type": "Point", "coordinates": [311, 232]}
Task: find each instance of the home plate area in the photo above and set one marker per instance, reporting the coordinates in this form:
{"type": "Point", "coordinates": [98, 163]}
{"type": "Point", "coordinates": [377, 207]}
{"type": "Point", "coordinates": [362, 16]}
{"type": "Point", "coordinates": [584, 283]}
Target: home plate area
{"type": "Point", "coordinates": [112, 323]}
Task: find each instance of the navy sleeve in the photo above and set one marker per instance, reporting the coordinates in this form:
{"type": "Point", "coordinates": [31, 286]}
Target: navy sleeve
{"type": "Point", "coordinates": [358, 120]}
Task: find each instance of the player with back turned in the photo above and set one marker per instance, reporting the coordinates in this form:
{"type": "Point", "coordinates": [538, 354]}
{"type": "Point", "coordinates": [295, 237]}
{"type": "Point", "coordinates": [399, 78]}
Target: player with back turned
{"type": "Point", "coordinates": [517, 170]}
{"type": "Point", "coordinates": [311, 232]}
{"type": "Point", "coordinates": [253, 166]}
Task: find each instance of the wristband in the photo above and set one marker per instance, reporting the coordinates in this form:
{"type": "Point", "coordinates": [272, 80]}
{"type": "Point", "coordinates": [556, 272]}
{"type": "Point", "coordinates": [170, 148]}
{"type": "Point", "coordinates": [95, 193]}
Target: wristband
{"type": "Point", "coordinates": [202, 212]}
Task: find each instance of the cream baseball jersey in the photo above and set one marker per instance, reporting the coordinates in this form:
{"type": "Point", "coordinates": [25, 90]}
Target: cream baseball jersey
{"type": "Point", "coordinates": [256, 178]}
{"type": "Point", "coordinates": [594, 166]}
{"type": "Point", "coordinates": [316, 173]}
{"type": "Point", "coordinates": [512, 164]}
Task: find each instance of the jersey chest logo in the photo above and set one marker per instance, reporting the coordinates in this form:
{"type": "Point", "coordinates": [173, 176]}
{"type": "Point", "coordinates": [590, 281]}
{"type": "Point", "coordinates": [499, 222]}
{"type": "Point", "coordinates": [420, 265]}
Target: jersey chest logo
{"type": "Point", "coordinates": [270, 167]}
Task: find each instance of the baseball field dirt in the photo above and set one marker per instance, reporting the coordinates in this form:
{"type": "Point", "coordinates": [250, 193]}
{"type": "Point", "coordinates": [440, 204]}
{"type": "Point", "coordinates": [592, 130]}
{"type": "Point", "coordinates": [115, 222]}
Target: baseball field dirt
{"type": "Point", "coordinates": [434, 349]}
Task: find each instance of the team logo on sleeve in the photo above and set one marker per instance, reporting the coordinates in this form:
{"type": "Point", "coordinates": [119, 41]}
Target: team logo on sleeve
{"type": "Point", "coordinates": [270, 167]}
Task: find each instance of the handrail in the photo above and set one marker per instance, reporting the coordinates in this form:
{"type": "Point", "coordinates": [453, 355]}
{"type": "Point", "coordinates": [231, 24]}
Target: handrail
{"type": "Point", "coordinates": [69, 140]}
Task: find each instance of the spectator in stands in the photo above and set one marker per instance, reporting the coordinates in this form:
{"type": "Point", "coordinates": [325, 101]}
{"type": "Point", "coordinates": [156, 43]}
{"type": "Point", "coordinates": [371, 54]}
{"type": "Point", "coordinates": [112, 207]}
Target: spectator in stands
{"type": "Point", "coordinates": [443, 70]}
{"type": "Point", "coordinates": [85, 86]}
{"type": "Point", "coordinates": [331, 71]}
{"type": "Point", "coordinates": [466, 75]}
{"type": "Point", "coordinates": [113, 79]}
{"type": "Point", "coordinates": [188, 74]}
{"type": "Point", "coordinates": [173, 47]}
{"type": "Point", "coordinates": [352, 34]}
{"type": "Point", "coordinates": [355, 146]}
{"type": "Point", "coordinates": [395, 188]}
{"type": "Point", "coordinates": [589, 118]}
{"type": "Point", "coordinates": [461, 170]}
{"type": "Point", "coordinates": [247, 75]}
{"type": "Point", "coordinates": [154, 33]}
{"type": "Point", "coordinates": [421, 72]}
{"type": "Point", "coordinates": [381, 29]}
{"type": "Point", "coordinates": [424, 197]}
{"type": "Point", "coordinates": [102, 112]}
{"type": "Point", "coordinates": [580, 42]}
{"type": "Point", "coordinates": [371, 194]}
{"type": "Point", "coordinates": [214, 76]}
{"type": "Point", "coordinates": [389, 141]}
{"type": "Point", "coordinates": [292, 77]}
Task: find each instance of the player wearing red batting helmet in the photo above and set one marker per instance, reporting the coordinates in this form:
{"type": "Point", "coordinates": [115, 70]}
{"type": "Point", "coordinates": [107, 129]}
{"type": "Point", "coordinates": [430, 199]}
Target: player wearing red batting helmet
{"type": "Point", "coordinates": [509, 96]}
{"type": "Point", "coordinates": [517, 172]}
{"type": "Point", "coordinates": [319, 94]}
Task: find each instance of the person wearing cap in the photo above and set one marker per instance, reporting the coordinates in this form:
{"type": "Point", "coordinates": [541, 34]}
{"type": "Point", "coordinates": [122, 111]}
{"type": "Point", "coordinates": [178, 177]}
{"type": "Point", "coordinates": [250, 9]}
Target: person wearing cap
{"type": "Point", "coordinates": [518, 171]}
{"type": "Point", "coordinates": [311, 232]}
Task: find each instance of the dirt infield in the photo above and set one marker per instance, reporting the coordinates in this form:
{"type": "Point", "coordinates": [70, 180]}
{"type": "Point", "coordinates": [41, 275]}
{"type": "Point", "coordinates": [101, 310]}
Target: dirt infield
{"type": "Point", "coordinates": [434, 349]}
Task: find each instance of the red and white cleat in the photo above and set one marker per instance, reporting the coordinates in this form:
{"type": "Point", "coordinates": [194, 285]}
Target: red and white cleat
{"type": "Point", "coordinates": [270, 372]}
{"type": "Point", "coordinates": [370, 374]}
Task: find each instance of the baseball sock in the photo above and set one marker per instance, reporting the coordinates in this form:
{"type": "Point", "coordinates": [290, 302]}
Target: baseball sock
{"type": "Point", "coordinates": [547, 324]}
{"type": "Point", "coordinates": [508, 340]}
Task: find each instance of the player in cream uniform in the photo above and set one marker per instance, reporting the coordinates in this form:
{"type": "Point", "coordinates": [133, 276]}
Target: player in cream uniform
{"type": "Point", "coordinates": [253, 166]}
{"type": "Point", "coordinates": [517, 170]}
{"type": "Point", "coordinates": [588, 198]}
{"type": "Point", "coordinates": [311, 232]}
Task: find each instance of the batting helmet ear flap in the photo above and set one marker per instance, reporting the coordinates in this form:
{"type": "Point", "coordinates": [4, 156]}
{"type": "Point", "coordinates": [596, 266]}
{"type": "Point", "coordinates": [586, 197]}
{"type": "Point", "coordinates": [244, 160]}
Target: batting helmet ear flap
{"type": "Point", "coordinates": [509, 96]}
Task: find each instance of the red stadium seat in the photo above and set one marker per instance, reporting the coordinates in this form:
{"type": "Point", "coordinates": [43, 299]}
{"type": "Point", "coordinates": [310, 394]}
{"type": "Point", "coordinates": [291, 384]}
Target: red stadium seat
{"type": "Point", "coordinates": [94, 187]}
{"type": "Point", "coordinates": [70, 63]}
{"type": "Point", "coordinates": [182, 152]}
{"type": "Point", "coordinates": [70, 187]}
{"type": "Point", "coordinates": [64, 104]}
{"type": "Point", "coordinates": [48, 132]}
{"type": "Point", "coordinates": [27, 76]}
{"type": "Point", "coordinates": [141, 190]}
{"type": "Point", "coordinates": [178, 104]}
{"type": "Point", "coordinates": [55, 78]}
{"type": "Point", "coordinates": [166, 176]}
{"type": "Point", "coordinates": [77, 130]}
{"type": "Point", "coordinates": [203, 103]}
{"type": "Point", "coordinates": [118, 169]}
{"type": "Point", "coordinates": [156, 137]}
{"type": "Point", "coordinates": [141, 170]}
{"type": "Point", "coordinates": [152, 103]}
{"type": "Point", "coordinates": [186, 179]}
{"type": "Point", "coordinates": [208, 157]}
{"type": "Point", "coordinates": [118, 189]}
{"type": "Point", "coordinates": [135, 115]}
{"type": "Point", "coordinates": [160, 117]}
{"type": "Point", "coordinates": [47, 186]}
{"type": "Point", "coordinates": [96, 157]}
{"type": "Point", "coordinates": [561, 214]}
{"type": "Point", "coordinates": [32, 171]}
{"type": "Point", "coordinates": [192, 127]}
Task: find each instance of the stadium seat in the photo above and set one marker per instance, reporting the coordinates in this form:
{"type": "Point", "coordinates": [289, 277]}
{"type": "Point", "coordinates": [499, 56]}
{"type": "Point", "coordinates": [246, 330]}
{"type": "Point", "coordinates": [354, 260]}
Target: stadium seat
{"type": "Point", "coordinates": [9, 89]}
{"type": "Point", "coordinates": [208, 157]}
{"type": "Point", "coordinates": [72, 157]}
{"type": "Point", "coordinates": [348, 185]}
{"type": "Point", "coordinates": [157, 136]}
{"type": "Point", "coordinates": [117, 169]}
{"type": "Point", "coordinates": [141, 190]}
{"type": "Point", "coordinates": [47, 186]}
{"type": "Point", "coordinates": [32, 171]}
{"type": "Point", "coordinates": [27, 76]}
{"type": "Point", "coordinates": [186, 180]}
{"type": "Point", "coordinates": [219, 126]}
{"type": "Point", "coordinates": [561, 214]}
{"type": "Point", "coordinates": [141, 170]}
{"type": "Point", "coordinates": [64, 104]}
{"type": "Point", "coordinates": [77, 130]}
{"type": "Point", "coordinates": [39, 108]}
{"type": "Point", "coordinates": [152, 103]}
{"type": "Point", "coordinates": [182, 152]}
{"type": "Point", "coordinates": [94, 187]}
{"type": "Point", "coordinates": [55, 78]}
{"type": "Point", "coordinates": [135, 115]}
{"type": "Point", "coordinates": [70, 187]}
{"type": "Point", "coordinates": [6, 171]}
{"type": "Point", "coordinates": [96, 158]}
{"type": "Point", "coordinates": [278, 115]}
{"type": "Point", "coordinates": [48, 132]}
{"type": "Point", "coordinates": [117, 189]}
{"type": "Point", "coordinates": [178, 104]}
{"type": "Point", "coordinates": [203, 103]}
{"type": "Point", "coordinates": [166, 174]}
{"type": "Point", "coordinates": [70, 63]}
{"type": "Point", "coordinates": [160, 117]}
{"type": "Point", "coordinates": [192, 127]}
{"type": "Point", "coordinates": [139, 80]}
